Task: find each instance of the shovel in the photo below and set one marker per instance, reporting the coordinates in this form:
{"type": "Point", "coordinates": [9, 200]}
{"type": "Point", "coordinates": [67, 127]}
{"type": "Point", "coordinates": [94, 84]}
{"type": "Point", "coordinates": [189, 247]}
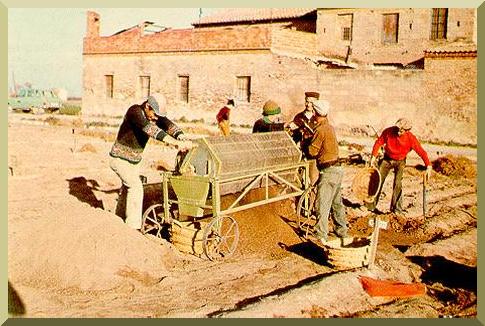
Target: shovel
{"type": "Point", "coordinates": [425, 194]}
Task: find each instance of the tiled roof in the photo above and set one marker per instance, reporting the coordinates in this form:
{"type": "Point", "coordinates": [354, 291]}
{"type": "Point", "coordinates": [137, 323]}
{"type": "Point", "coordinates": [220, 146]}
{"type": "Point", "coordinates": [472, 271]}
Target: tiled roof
{"type": "Point", "coordinates": [453, 48]}
{"type": "Point", "coordinates": [180, 40]}
{"type": "Point", "coordinates": [238, 15]}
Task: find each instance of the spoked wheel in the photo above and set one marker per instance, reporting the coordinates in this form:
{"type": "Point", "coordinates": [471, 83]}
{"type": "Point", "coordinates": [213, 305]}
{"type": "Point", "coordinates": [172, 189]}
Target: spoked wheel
{"type": "Point", "coordinates": [306, 210]}
{"type": "Point", "coordinates": [153, 220]}
{"type": "Point", "coordinates": [220, 239]}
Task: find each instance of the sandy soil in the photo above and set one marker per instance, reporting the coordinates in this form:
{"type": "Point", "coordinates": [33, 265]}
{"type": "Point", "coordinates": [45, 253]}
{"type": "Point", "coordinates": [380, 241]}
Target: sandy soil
{"type": "Point", "coordinates": [69, 255]}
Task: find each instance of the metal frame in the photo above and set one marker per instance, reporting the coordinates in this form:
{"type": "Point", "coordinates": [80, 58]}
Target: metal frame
{"type": "Point", "coordinates": [264, 177]}
{"type": "Point", "coordinates": [199, 196]}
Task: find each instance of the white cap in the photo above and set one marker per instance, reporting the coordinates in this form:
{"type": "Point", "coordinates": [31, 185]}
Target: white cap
{"type": "Point", "coordinates": [321, 107]}
{"type": "Point", "coordinates": [404, 123]}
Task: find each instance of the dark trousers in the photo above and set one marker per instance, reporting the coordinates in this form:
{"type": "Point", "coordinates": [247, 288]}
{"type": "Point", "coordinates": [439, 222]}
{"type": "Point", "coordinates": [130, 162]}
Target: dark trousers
{"type": "Point", "coordinates": [384, 168]}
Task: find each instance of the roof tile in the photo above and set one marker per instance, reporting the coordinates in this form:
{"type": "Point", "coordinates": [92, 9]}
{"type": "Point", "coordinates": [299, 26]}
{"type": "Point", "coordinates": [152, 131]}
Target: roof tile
{"type": "Point", "coordinates": [237, 15]}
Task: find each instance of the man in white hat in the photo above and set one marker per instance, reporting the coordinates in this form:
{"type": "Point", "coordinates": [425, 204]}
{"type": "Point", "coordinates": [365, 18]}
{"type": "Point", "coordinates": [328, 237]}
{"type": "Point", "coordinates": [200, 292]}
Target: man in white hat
{"type": "Point", "coordinates": [223, 117]}
{"type": "Point", "coordinates": [324, 148]}
{"type": "Point", "coordinates": [398, 141]}
{"type": "Point", "coordinates": [139, 124]}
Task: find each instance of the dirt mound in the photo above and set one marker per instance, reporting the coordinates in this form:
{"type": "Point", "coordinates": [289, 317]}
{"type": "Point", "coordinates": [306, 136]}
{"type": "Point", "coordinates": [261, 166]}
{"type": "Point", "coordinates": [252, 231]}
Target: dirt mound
{"type": "Point", "coordinates": [88, 249]}
{"type": "Point", "coordinates": [88, 148]}
{"type": "Point", "coordinates": [354, 146]}
{"type": "Point", "coordinates": [455, 166]}
{"type": "Point", "coordinates": [107, 136]}
{"type": "Point", "coordinates": [267, 229]}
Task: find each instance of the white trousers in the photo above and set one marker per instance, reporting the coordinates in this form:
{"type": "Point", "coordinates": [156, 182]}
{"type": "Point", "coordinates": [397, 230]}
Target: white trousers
{"type": "Point", "coordinates": [129, 174]}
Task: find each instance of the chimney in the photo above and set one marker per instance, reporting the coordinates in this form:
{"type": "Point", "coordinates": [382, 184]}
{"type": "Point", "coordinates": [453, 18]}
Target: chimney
{"type": "Point", "coordinates": [93, 24]}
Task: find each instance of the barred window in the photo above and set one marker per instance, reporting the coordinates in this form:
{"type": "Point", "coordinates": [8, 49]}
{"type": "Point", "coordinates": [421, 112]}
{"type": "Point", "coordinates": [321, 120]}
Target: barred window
{"type": "Point", "coordinates": [345, 22]}
{"type": "Point", "coordinates": [346, 36]}
{"type": "Point", "coordinates": [109, 85]}
{"type": "Point", "coordinates": [183, 94]}
{"type": "Point", "coordinates": [243, 88]}
{"type": "Point", "coordinates": [439, 23]}
{"type": "Point", "coordinates": [144, 86]}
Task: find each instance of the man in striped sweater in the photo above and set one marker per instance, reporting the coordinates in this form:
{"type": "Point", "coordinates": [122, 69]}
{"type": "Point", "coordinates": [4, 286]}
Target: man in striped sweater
{"type": "Point", "coordinates": [139, 124]}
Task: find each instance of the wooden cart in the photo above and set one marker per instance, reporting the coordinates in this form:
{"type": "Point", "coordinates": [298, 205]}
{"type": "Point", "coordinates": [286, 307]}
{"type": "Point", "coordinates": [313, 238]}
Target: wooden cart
{"type": "Point", "coordinates": [227, 165]}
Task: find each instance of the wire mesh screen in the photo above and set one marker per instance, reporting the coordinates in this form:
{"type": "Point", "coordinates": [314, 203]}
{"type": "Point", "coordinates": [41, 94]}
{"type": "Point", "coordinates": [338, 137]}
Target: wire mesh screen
{"type": "Point", "coordinates": [243, 154]}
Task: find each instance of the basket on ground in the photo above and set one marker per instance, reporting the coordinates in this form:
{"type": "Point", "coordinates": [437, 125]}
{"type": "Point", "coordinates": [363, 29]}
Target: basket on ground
{"type": "Point", "coordinates": [188, 236]}
{"type": "Point", "coordinates": [349, 252]}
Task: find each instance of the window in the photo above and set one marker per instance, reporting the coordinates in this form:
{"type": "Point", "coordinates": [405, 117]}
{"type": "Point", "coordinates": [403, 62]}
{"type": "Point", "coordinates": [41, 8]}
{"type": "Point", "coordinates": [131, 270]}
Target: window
{"type": "Point", "coordinates": [439, 23]}
{"type": "Point", "coordinates": [346, 34]}
{"type": "Point", "coordinates": [243, 88]}
{"type": "Point", "coordinates": [109, 86]}
{"type": "Point", "coordinates": [183, 89]}
{"type": "Point", "coordinates": [345, 23]}
{"type": "Point", "coordinates": [390, 28]}
{"type": "Point", "coordinates": [144, 86]}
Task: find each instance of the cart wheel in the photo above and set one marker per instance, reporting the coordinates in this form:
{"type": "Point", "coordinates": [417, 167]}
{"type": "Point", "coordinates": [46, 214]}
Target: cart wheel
{"type": "Point", "coordinates": [153, 219]}
{"type": "Point", "coordinates": [220, 239]}
{"type": "Point", "coordinates": [306, 210]}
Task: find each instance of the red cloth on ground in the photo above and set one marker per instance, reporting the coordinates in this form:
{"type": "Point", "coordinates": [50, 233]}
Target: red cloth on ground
{"type": "Point", "coordinates": [386, 288]}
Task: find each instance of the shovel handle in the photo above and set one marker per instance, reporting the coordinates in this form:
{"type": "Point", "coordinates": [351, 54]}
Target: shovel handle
{"type": "Point", "coordinates": [425, 193]}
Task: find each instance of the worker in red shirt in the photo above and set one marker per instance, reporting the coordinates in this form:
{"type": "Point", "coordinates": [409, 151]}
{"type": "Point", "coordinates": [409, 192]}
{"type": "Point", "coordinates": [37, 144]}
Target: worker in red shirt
{"type": "Point", "coordinates": [398, 141]}
{"type": "Point", "coordinates": [223, 117]}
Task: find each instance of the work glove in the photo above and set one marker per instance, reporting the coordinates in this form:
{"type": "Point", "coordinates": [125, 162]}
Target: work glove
{"type": "Point", "coordinates": [185, 145]}
{"type": "Point", "coordinates": [373, 161]}
{"type": "Point", "coordinates": [429, 168]}
{"type": "Point", "coordinates": [182, 145]}
{"type": "Point", "coordinates": [291, 125]}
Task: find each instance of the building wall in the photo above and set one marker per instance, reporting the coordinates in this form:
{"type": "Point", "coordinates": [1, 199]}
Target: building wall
{"type": "Point", "coordinates": [437, 97]}
{"type": "Point", "coordinates": [440, 96]}
{"type": "Point", "coordinates": [451, 89]}
{"type": "Point", "coordinates": [212, 77]}
{"type": "Point", "coordinates": [367, 46]}
{"type": "Point", "coordinates": [293, 41]}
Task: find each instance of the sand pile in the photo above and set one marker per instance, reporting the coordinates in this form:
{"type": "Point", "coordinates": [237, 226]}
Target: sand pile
{"type": "Point", "coordinates": [455, 166]}
{"type": "Point", "coordinates": [84, 248]}
{"type": "Point", "coordinates": [88, 148]}
{"type": "Point", "coordinates": [267, 229]}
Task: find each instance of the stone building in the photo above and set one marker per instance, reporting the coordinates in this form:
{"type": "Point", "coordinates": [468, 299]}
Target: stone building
{"type": "Point", "coordinates": [391, 35]}
{"type": "Point", "coordinates": [371, 64]}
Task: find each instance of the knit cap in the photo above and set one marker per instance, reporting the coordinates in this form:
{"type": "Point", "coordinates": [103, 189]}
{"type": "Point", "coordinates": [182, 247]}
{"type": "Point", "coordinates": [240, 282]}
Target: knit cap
{"type": "Point", "coordinates": [271, 108]}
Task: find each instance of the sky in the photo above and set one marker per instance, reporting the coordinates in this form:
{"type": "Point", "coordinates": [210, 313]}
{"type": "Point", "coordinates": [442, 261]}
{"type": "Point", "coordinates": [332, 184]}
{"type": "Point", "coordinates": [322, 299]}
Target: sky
{"type": "Point", "coordinates": [45, 45]}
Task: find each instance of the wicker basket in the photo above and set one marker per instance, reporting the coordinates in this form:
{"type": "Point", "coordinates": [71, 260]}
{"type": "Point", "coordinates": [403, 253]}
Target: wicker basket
{"type": "Point", "coordinates": [188, 236]}
{"type": "Point", "coordinates": [366, 184]}
{"type": "Point", "coordinates": [350, 252]}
